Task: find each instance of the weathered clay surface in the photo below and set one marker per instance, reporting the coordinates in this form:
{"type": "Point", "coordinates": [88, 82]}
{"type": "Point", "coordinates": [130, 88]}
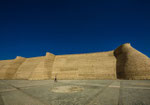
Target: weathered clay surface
{"type": "Point", "coordinates": [124, 62]}
{"type": "Point", "coordinates": [35, 68]}
{"type": "Point", "coordinates": [131, 64]}
{"type": "Point", "coordinates": [85, 66]}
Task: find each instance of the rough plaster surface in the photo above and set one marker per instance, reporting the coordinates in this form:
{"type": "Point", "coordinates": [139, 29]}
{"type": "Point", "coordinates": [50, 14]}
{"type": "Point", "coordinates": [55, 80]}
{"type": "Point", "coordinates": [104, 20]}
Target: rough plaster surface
{"type": "Point", "coordinates": [124, 62]}
{"type": "Point", "coordinates": [131, 64]}
{"type": "Point", "coordinates": [85, 66]}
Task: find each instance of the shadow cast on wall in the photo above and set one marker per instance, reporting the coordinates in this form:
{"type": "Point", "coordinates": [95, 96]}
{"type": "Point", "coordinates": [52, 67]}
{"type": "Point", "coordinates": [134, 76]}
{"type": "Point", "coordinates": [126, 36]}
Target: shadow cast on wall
{"type": "Point", "coordinates": [131, 64]}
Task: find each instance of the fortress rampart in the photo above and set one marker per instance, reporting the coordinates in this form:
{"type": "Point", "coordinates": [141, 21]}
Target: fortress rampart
{"type": "Point", "coordinates": [125, 62]}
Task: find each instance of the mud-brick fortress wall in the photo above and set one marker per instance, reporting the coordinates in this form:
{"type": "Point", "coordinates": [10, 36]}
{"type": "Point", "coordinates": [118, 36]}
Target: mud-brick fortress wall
{"type": "Point", "coordinates": [85, 66]}
{"type": "Point", "coordinates": [131, 64]}
{"type": "Point", "coordinates": [35, 68]}
{"type": "Point", "coordinates": [124, 62]}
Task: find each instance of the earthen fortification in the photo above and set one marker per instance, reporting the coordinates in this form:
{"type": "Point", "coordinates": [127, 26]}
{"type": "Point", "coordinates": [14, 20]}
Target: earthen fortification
{"type": "Point", "coordinates": [124, 62]}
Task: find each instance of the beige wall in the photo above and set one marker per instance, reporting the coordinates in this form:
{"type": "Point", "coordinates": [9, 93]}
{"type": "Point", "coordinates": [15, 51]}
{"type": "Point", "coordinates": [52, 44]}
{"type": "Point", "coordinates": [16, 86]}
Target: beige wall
{"type": "Point", "coordinates": [44, 68]}
{"type": "Point", "coordinates": [85, 66]}
{"type": "Point", "coordinates": [77, 66]}
{"type": "Point", "coordinates": [4, 65]}
{"type": "Point", "coordinates": [27, 68]}
{"type": "Point", "coordinates": [123, 63]}
{"type": "Point", "coordinates": [131, 64]}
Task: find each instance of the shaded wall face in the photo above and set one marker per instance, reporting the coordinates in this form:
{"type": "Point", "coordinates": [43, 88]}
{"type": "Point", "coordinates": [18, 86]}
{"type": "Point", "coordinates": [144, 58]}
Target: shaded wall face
{"type": "Point", "coordinates": [85, 66]}
{"type": "Point", "coordinates": [121, 59]}
{"type": "Point", "coordinates": [131, 64]}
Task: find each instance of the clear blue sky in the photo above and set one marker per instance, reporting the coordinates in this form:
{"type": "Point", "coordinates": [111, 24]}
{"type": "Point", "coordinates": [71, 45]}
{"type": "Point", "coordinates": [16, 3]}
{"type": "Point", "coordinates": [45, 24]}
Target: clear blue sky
{"type": "Point", "coordinates": [31, 28]}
